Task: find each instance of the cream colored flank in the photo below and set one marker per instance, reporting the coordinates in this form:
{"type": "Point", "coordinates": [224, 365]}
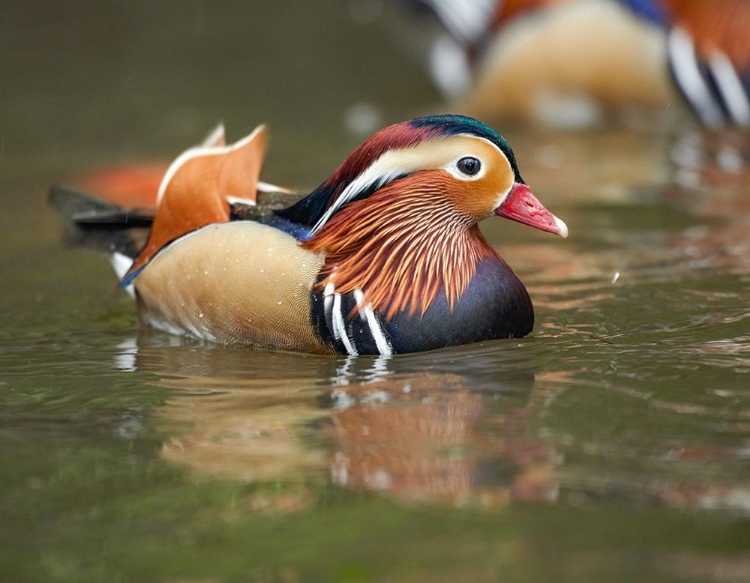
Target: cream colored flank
{"type": "Point", "coordinates": [239, 282]}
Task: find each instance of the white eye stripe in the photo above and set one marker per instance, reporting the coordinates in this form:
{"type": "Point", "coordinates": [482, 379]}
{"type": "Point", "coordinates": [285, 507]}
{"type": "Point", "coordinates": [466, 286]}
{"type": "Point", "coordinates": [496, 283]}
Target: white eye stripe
{"type": "Point", "coordinates": [378, 174]}
{"type": "Point", "coordinates": [429, 155]}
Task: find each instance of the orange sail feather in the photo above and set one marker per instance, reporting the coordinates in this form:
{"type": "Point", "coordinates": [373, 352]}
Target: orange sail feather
{"type": "Point", "coordinates": [199, 185]}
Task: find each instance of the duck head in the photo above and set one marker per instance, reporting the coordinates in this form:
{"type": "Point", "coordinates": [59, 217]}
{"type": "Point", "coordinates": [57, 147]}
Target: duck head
{"type": "Point", "coordinates": [455, 158]}
{"type": "Point", "coordinates": [398, 220]}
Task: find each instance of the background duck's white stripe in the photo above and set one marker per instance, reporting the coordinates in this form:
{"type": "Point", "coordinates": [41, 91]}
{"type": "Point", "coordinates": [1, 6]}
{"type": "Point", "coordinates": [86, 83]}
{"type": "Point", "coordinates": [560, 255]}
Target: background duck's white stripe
{"type": "Point", "coordinates": [450, 67]}
{"type": "Point", "coordinates": [731, 88]}
{"type": "Point", "coordinates": [466, 20]}
{"type": "Point", "coordinates": [689, 78]}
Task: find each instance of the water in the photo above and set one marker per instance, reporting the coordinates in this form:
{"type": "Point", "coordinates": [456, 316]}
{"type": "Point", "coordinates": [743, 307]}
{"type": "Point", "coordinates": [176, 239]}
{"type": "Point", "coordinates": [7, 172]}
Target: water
{"type": "Point", "coordinates": [611, 445]}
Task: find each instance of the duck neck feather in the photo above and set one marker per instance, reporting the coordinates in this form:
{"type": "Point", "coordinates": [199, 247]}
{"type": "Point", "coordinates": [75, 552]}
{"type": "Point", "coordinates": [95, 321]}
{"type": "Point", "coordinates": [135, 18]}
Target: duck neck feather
{"type": "Point", "coordinates": [401, 246]}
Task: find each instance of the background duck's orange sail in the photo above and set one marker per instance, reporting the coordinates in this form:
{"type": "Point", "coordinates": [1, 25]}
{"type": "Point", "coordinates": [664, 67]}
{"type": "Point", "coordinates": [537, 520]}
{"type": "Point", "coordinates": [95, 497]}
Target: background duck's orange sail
{"type": "Point", "coordinates": [133, 186]}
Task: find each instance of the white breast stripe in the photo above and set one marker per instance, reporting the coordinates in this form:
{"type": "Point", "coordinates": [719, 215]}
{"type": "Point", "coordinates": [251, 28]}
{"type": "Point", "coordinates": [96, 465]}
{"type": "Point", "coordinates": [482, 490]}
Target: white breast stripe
{"type": "Point", "coordinates": [731, 88]}
{"type": "Point", "coordinates": [328, 292]}
{"type": "Point", "coordinates": [377, 332]}
{"type": "Point", "coordinates": [689, 78]}
{"type": "Point", "coordinates": [339, 326]}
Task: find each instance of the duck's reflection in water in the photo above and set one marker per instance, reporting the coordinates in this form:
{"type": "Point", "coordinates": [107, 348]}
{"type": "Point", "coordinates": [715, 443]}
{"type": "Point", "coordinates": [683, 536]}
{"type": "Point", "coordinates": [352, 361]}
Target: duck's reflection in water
{"type": "Point", "coordinates": [451, 427]}
{"type": "Point", "coordinates": [478, 427]}
{"type": "Point", "coordinates": [439, 436]}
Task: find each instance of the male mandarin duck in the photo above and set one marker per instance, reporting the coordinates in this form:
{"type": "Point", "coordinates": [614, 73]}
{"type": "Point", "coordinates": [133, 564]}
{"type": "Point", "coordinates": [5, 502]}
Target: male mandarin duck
{"type": "Point", "coordinates": [567, 62]}
{"type": "Point", "coordinates": [384, 257]}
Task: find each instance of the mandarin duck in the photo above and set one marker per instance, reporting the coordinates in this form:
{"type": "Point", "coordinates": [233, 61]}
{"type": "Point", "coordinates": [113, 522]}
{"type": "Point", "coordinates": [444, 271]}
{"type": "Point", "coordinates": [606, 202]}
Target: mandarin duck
{"type": "Point", "coordinates": [569, 62]}
{"type": "Point", "coordinates": [384, 257]}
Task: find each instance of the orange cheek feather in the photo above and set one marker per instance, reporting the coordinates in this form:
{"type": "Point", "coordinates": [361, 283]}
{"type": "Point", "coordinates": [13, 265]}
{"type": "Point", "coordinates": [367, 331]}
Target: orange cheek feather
{"type": "Point", "coordinates": [478, 198]}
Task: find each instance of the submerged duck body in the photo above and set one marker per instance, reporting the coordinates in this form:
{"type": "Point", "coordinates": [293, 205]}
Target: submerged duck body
{"type": "Point", "coordinates": [384, 257]}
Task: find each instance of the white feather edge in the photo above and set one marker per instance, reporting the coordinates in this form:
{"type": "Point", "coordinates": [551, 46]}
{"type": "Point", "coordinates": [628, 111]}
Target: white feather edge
{"type": "Point", "coordinates": [261, 187]}
{"type": "Point", "coordinates": [121, 263]}
{"type": "Point", "coordinates": [376, 331]}
{"type": "Point", "coordinates": [203, 151]}
{"type": "Point", "coordinates": [215, 137]}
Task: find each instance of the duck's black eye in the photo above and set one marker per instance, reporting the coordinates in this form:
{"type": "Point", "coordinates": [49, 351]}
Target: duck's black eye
{"type": "Point", "coordinates": [469, 166]}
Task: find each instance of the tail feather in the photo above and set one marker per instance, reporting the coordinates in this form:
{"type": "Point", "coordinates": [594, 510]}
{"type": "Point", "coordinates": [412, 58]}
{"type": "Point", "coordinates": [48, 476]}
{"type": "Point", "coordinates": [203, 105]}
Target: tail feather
{"type": "Point", "coordinates": [100, 225]}
{"type": "Point", "coordinates": [137, 218]}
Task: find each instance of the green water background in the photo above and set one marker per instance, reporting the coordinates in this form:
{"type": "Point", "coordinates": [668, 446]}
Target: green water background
{"type": "Point", "coordinates": [611, 445]}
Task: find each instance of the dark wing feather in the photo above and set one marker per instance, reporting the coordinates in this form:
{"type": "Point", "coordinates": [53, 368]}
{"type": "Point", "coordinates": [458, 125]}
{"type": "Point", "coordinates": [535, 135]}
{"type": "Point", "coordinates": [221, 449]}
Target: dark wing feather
{"type": "Point", "coordinates": [103, 226]}
{"type": "Point", "coordinates": [100, 225]}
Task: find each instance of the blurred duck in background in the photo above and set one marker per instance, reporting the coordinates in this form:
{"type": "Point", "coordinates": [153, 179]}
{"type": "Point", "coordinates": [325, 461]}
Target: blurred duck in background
{"type": "Point", "coordinates": [576, 62]}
